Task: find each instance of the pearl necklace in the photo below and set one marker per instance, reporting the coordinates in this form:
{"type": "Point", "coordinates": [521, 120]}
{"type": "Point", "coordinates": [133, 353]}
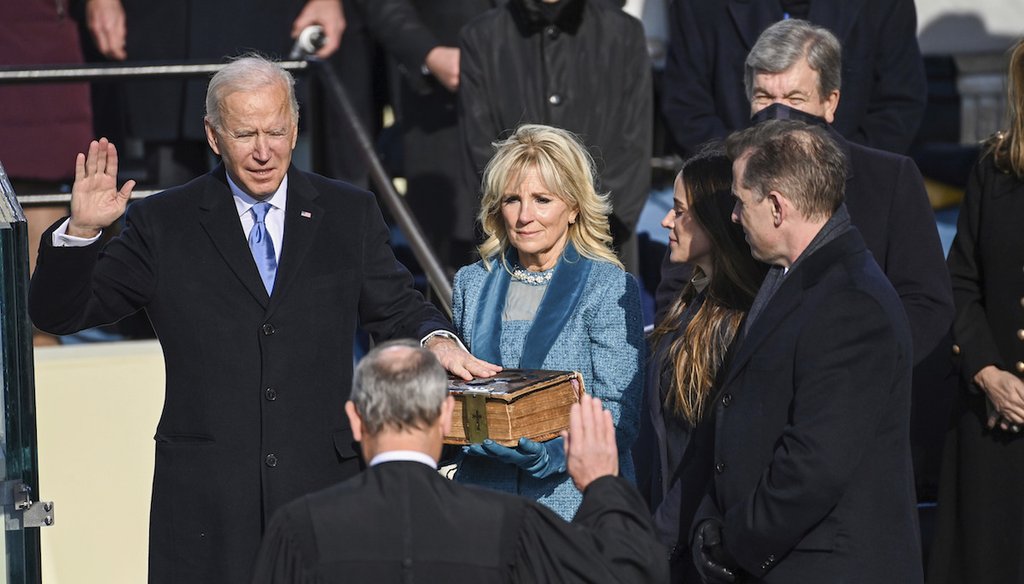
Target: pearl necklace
{"type": "Point", "coordinates": [533, 278]}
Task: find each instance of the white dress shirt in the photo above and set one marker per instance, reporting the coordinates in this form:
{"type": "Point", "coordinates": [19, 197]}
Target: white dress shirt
{"type": "Point", "coordinates": [275, 216]}
{"type": "Point", "coordinates": [403, 455]}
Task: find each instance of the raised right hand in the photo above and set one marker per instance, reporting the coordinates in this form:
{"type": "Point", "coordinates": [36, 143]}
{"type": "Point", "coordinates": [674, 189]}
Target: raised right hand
{"type": "Point", "coordinates": [95, 200]}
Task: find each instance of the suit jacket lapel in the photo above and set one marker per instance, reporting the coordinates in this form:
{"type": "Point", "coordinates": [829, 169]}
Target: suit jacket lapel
{"type": "Point", "coordinates": [219, 217]}
{"type": "Point", "coordinates": [791, 294]}
{"type": "Point", "coordinates": [302, 218]}
{"type": "Point", "coordinates": [558, 305]}
{"type": "Point", "coordinates": [786, 299]}
{"type": "Point", "coordinates": [751, 17]}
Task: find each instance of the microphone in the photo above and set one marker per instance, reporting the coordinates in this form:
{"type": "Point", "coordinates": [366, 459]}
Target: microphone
{"type": "Point", "coordinates": [309, 41]}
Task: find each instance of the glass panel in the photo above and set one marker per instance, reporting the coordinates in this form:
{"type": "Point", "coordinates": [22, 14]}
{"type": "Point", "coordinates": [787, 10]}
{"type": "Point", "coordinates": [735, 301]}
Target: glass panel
{"type": "Point", "coordinates": [21, 563]}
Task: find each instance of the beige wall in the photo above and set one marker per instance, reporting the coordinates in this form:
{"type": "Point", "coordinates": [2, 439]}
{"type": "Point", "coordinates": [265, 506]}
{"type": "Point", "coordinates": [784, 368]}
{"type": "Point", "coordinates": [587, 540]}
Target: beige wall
{"type": "Point", "coordinates": [97, 409]}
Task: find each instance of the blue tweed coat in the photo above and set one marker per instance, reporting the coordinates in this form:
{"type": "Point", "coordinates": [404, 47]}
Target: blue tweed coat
{"type": "Point", "coordinates": [602, 339]}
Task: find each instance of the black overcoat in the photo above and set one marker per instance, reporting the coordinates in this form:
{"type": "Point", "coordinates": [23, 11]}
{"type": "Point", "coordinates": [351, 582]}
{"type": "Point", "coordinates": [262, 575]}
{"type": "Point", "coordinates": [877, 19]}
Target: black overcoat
{"type": "Point", "coordinates": [402, 522]}
{"type": "Point", "coordinates": [883, 81]}
{"type": "Point", "coordinates": [255, 386]}
{"type": "Point", "coordinates": [981, 507]}
{"type": "Point", "coordinates": [813, 478]}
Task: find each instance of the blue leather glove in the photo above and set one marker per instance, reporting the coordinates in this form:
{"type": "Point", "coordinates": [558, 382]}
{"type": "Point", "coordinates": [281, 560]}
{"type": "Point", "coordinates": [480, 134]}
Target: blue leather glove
{"type": "Point", "coordinates": [540, 459]}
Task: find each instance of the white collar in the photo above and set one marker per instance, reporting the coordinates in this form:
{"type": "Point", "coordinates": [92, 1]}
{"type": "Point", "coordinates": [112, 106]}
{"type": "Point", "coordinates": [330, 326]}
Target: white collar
{"type": "Point", "coordinates": [404, 455]}
{"type": "Point", "coordinates": [244, 201]}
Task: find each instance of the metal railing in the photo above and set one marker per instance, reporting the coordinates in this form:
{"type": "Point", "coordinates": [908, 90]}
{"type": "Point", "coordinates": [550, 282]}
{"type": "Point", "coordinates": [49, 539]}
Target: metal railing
{"type": "Point", "coordinates": [337, 98]}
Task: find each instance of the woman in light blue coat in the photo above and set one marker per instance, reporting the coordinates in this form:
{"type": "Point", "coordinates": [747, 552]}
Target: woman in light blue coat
{"type": "Point", "coordinates": [549, 293]}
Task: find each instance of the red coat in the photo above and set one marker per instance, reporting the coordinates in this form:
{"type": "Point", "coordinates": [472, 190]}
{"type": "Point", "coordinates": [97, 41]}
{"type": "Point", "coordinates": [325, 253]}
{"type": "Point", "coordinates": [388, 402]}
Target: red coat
{"type": "Point", "coordinates": [43, 126]}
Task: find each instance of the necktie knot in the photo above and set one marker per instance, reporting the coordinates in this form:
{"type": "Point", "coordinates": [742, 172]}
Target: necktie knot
{"type": "Point", "coordinates": [260, 210]}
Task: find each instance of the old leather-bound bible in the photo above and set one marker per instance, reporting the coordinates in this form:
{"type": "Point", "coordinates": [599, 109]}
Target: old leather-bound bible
{"type": "Point", "coordinates": [514, 404]}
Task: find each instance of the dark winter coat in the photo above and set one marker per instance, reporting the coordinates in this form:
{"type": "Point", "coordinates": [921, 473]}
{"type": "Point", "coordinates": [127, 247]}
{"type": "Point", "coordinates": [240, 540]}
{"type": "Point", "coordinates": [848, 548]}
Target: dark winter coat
{"type": "Point", "coordinates": [256, 385]}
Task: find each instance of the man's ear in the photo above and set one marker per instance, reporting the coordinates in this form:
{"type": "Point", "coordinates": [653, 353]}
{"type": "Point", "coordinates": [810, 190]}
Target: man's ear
{"type": "Point", "coordinates": [831, 105]}
{"type": "Point", "coordinates": [446, 415]}
{"type": "Point", "coordinates": [779, 206]}
{"type": "Point", "coordinates": [354, 421]}
{"type": "Point", "coordinates": [211, 136]}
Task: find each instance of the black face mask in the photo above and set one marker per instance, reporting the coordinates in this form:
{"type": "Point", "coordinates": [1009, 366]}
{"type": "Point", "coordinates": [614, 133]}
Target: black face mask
{"type": "Point", "coordinates": [778, 111]}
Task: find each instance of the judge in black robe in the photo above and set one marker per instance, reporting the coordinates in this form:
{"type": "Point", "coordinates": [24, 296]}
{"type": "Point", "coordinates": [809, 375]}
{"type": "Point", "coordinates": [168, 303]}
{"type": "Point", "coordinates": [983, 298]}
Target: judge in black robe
{"type": "Point", "coordinates": [402, 517]}
{"type": "Point", "coordinates": [400, 521]}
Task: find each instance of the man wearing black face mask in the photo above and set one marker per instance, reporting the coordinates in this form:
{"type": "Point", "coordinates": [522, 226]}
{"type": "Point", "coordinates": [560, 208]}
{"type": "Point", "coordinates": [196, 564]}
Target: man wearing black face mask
{"type": "Point", "coordinates": [793, 71]}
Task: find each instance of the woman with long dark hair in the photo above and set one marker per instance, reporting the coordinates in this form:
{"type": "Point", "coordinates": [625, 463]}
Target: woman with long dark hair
{"type": "Point", "coordinates": [691, 343]}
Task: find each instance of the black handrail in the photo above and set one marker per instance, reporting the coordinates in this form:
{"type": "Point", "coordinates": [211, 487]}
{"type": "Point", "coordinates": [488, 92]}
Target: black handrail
{"type": "Point", "coordinates": [338, 99]}
{"type": "Point", "coordinates": [396, 205]}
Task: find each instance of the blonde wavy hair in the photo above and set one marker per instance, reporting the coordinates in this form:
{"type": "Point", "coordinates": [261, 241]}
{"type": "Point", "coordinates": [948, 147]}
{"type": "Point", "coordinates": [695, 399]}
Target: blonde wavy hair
{"type": "Point", "coordinates": [567, 170]}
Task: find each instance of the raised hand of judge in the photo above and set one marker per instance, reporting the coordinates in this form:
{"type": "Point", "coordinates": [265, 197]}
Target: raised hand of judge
{"type": "Point", "coordinates": [96, 201]}
{"type": "Point", "coordinates": [590, 443]}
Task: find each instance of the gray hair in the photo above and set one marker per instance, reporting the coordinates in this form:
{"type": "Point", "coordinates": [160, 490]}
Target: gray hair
{"type": "Point", "coordinates": [799, 160]}
{"type": "Point", "coordinates": [784, 43]}
{"type": "Point", "coordinates": [249, 72]}
{"type": "Point", "coordinates": [399, 385]}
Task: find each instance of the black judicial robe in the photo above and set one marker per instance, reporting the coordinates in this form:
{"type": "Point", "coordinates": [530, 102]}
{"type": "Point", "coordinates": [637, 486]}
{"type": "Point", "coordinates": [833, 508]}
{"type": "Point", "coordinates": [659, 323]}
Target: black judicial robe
{"type": "Point", "coordinates": [403, 522]}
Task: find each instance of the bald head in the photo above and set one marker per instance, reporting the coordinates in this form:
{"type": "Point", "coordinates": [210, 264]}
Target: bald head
{"type": "Point", "coordinates": [399, 386]}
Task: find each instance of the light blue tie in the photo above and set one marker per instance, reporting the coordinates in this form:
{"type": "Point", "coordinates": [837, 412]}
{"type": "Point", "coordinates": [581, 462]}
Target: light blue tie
{"type": "Point", "coordinates": [262, 246]}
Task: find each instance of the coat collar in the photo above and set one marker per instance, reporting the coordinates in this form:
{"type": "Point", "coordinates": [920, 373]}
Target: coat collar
{"type": "Point", "coordinates": [219, 218]}
{"type": "Point", "coordinates": [558, 305]}
{"type": "Point", "coordinates": [790, 295]}
{"type": "Point", "coordinates": [847, 147]}
{"type": "Point", "coordinates": [530, 19]}
{"type": "Point", "coordinates": [784, 112]}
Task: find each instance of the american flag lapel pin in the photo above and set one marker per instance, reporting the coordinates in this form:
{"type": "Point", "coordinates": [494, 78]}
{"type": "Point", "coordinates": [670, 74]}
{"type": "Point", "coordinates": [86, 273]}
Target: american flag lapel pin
{"type": "Point", "coordinates": [306, 214]}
